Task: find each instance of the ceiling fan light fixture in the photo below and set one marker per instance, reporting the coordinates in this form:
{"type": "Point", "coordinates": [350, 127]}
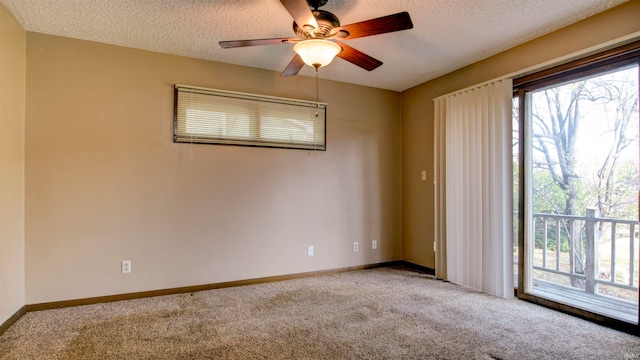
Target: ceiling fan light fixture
{"type": "Point", "coordinates": [317, 52]}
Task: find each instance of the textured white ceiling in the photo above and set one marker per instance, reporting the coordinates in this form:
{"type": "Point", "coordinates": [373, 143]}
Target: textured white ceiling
{"type": "Point", "coordinates": [447, 34]}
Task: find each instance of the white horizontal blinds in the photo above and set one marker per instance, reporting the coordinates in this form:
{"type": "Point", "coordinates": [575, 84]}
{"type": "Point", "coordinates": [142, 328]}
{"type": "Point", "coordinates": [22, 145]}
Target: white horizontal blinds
{"type": "Point", "coordinates": [206, 116]}
{"type": "Point", "coordinates": [297, 124]}
{"type": "Point", "coordinates": [220, 117]}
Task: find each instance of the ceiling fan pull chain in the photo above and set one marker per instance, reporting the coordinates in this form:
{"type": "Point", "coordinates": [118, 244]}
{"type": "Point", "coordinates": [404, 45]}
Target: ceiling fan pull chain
{"type": "Point", "coordinates": [317, 91]}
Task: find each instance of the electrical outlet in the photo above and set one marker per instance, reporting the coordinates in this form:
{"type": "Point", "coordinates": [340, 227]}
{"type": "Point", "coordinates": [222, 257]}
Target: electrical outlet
{"type": "Point", "coordinates": [374, 244]}
{"type": "Point", "coordinates": [355, 246]}
{"type": "Point", "coordinates": [126, 266]}
{"type": "Point", "coordinates": [310, 250]}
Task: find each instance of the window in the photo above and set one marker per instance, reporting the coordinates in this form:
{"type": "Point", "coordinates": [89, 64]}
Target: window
{"type": "Point", "coordinates": [578, 185]}
{"type": "Point", "coordinates": [210, 116]}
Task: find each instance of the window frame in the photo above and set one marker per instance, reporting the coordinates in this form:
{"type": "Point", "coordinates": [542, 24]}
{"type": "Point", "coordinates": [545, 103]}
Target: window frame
{"type": "Point", "coordinates": [601, 62]}
{"type": "Point", "coordinates": [256, 136]}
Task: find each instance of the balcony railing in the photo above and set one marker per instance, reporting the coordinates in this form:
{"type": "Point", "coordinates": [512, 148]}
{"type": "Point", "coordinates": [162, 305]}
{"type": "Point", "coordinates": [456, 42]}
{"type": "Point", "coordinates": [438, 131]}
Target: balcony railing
{"type": "Point", "coordinates": [580, 236]}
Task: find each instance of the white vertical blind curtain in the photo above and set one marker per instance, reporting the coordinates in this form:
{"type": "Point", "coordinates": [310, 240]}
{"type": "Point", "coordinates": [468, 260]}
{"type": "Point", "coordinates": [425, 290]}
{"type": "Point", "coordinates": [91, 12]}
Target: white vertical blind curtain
{"type": "Point", "coordinates": [476, 193]}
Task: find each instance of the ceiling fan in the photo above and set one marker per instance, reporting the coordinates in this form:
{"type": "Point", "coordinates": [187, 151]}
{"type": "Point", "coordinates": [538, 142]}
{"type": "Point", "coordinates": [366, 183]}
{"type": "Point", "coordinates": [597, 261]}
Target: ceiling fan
{"type": "Point", "coordinates": [319, 36]}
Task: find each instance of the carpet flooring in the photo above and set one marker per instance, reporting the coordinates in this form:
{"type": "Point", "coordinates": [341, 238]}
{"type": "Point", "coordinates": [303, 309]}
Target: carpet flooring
{"type": "Point", "coordinates": [385, 313]}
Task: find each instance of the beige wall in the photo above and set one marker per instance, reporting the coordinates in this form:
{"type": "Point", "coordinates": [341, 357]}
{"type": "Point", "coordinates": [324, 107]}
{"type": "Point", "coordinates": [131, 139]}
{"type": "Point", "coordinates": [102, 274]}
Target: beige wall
{"type": "Point", "coordinates": [417, 112]}
{"type": "Point", "coordinates": [12, 119]}
{"type": "Point", "coordinates": [106, 183]}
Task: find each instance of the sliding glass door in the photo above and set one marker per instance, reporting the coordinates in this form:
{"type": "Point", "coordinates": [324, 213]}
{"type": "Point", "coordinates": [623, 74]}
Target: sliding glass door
{"type": "Point", "coordinates": [579, 164]}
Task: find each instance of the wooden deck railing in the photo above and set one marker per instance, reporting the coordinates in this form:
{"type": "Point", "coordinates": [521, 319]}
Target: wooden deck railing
{"type": "Point", "coordinates": [582, 234]}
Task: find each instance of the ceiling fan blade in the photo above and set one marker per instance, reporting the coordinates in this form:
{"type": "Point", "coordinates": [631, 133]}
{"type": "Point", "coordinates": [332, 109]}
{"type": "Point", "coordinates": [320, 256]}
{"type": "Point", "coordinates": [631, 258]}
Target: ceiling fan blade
{"type": "Point", "coordinates": [242, 43]}
{"type": "Point", "coordinates": [300, 12]}
{"type": "Point", "coordinates": [357, 57]}
{"type": "Point", "coordinates": [294, 66]}
{"type": "Point", "coordinates": [381, 25]}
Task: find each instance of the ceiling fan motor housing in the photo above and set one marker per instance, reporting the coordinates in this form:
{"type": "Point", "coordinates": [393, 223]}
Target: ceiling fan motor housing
{"type": "Point", "coordinates": [315, 4]}
{"type": "Point", "coordinates": [326, 23]}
